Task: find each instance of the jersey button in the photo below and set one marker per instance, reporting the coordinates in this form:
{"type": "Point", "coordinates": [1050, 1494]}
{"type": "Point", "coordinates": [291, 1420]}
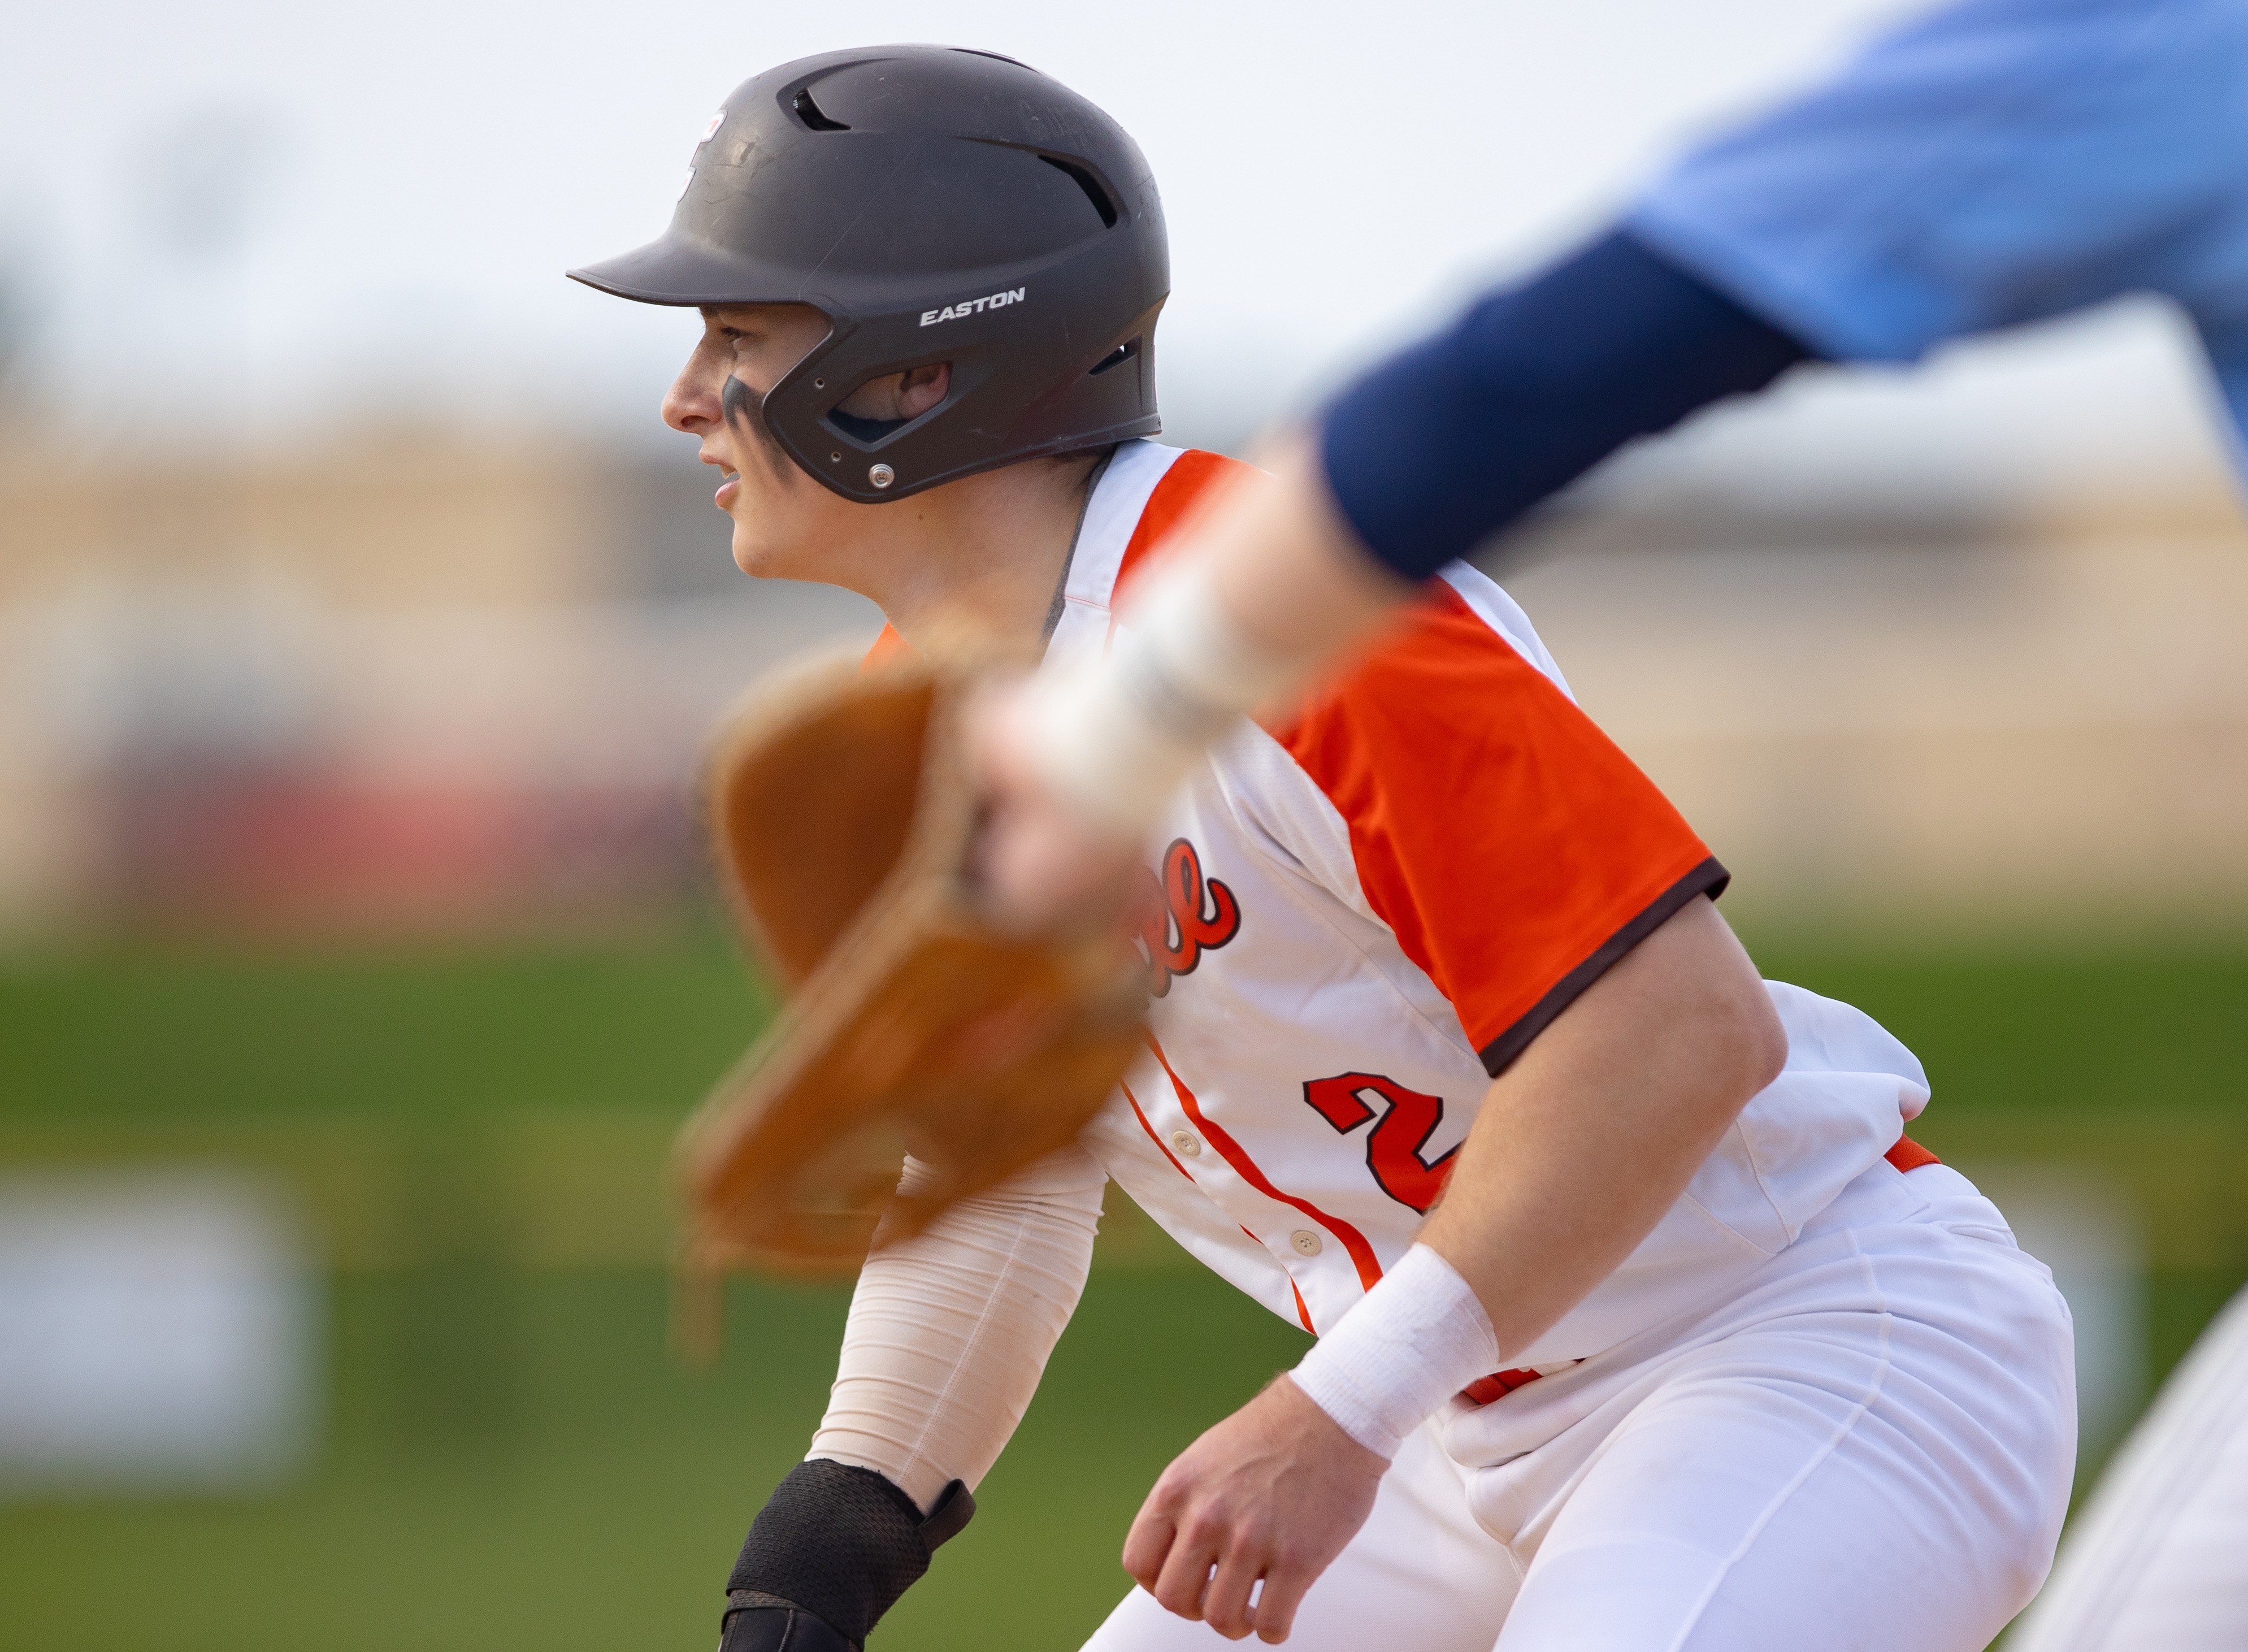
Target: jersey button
{"type": "Point", "coordinates": [1187, 1143]}
{"type": "Point", "coordinates": [1306, 1242]}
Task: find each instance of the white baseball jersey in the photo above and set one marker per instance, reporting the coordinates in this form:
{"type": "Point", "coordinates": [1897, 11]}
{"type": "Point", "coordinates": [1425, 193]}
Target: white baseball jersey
{"type": "Point", "coordinates": [1362, 911]}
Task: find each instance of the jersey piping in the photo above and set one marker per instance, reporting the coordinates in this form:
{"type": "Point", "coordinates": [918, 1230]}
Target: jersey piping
{"type": "Point", "coordinates": [1303, 1310]}
{"type": "Point", "coordinates": [1354, 1242]}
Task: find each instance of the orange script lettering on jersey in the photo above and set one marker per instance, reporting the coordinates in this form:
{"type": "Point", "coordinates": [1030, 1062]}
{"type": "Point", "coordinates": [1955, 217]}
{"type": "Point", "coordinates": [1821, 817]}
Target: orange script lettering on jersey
{"type": "Point", "coordinates": [1182, 916]}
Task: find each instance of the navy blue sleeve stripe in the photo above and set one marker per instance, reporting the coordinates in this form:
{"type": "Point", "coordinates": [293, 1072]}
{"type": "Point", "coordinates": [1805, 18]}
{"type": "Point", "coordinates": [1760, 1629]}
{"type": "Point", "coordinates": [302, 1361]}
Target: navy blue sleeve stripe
{"type": "Point", "coordinates": [1447, 443]}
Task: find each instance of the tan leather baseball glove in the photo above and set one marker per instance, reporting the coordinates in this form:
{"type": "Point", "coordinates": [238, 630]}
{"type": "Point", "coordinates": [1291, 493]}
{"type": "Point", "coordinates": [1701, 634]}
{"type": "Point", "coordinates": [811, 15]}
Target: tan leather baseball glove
{"type": "Point", "coordinates": [842, 817]}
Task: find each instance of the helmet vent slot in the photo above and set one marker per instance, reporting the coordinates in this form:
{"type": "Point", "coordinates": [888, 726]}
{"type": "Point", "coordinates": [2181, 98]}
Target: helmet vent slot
{"type": "Point", "coordinates": [1091, 185]}
{"type": "Point", "coordinates": [809, 112]}
{"type": "Point", "coordinates": [1115, 358]}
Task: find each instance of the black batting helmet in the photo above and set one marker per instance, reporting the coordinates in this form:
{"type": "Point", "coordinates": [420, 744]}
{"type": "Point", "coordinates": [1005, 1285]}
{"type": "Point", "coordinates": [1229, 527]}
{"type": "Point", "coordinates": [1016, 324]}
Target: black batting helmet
{"type": "Point", "coordinates": [937, 205]}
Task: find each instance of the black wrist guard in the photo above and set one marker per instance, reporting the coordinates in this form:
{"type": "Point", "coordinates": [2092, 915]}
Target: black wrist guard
{"type": "Point", "coordinates": [837, 1543]}
{"type": "Point", "coordinates": [760, 1623]}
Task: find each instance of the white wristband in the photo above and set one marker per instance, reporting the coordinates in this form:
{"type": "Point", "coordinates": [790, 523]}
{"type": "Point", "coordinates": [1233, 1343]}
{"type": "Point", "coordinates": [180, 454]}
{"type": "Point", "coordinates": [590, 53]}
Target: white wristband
{"type": "Point", "coordinates": [1116, 736]}
{"type": "Point", "coordinates": [1417, 1339]}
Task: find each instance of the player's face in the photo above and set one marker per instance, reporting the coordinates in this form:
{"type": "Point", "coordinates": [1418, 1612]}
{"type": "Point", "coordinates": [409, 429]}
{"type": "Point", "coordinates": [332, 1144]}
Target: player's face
{"type": "Point", "coordinates": [778, 511]}
{"type": "Point", "coordinates": [786, 525]}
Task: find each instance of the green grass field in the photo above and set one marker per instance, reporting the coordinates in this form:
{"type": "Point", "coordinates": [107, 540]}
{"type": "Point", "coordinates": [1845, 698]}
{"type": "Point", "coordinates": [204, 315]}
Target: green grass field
{"type": "Point", "coordinates": [511, 1458]}
{"type": "Point", "coordinates": [560, 1484]}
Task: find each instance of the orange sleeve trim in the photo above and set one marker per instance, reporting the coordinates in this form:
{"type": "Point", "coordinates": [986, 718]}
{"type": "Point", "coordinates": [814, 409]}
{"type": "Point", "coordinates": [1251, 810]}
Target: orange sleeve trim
{"type": "Point", "coordinates": [1908, 1154]}
{"type": "Point", "coordinates": [1361, 1254]}
{"type": "Point", "coordinates": [1302, 1313]}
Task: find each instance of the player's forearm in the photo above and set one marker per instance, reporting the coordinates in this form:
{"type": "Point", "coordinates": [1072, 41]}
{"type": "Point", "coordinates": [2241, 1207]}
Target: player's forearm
{"type": "Point", "coordinates": [950, 1331]}
{"type": "Point", "coordinates": [1579, 1148]}
{"type": "Point", "coordinates": [1586, 1141]}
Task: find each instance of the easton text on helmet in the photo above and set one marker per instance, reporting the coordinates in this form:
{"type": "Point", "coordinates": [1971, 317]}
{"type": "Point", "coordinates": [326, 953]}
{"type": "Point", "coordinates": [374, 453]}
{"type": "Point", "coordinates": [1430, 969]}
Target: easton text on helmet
{"type": "Point", "coordinates": [969, 307]}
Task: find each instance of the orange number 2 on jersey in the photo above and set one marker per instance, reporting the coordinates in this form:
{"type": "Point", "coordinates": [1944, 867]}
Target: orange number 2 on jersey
{"type": "Point", "coordinates": [1393, 1147]}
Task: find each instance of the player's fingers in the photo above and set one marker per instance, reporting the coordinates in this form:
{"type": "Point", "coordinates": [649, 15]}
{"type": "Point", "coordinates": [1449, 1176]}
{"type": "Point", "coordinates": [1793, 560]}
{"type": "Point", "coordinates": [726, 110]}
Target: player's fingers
{"type": "Point", "coordinates": [1147, 1545]}
{"type": "Point", "coordinates": [1184, 1580]}
{"type": "Point", "coordinates": [1225, 1605]}
{"type": "Point", "coordinates": [1276, 1605]}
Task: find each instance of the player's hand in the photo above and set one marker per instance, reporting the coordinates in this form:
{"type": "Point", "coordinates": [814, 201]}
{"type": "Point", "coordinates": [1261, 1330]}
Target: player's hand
{"type": "Point", "coordinates": [1038, 862]}
{"type": "Point", "coordinates": [1273, 1492]}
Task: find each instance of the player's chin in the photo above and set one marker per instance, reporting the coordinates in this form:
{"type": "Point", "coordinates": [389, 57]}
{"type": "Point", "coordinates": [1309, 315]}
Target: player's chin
{"type": "Point", "coordinates": [776, 538]}
{"type": "Point", "coordinates": [756, 555]}
{"type": "Point", "coordinates": [747, 552]}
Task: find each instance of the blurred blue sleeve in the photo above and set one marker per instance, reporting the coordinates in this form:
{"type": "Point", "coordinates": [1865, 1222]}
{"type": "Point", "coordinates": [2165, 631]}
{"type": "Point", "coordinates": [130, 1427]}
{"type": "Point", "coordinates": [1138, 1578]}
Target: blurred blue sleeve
{"type": "Point", "coordinates": [2228, 355]}
{"type": "Point", "coordinates": [1439, 447]}
{"type": "Point", "coordinates": [1995, 162]}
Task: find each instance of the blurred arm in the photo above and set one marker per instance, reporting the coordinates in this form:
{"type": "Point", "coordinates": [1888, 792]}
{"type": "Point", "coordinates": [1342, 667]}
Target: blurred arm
{"type": "Point", "coordinates": [1417, 465]}
{"type": "Point", "coordinates": [1990, 163]}
{"type": "Point", "coordinates": [1452, 440]}
{"type": "Point", "coordinates": [1987, 164]}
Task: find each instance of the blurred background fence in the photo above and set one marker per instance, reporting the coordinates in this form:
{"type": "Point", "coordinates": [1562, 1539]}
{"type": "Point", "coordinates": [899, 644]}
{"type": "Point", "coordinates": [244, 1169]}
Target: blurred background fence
{"type": "Point", "coordinates": [357, 647]}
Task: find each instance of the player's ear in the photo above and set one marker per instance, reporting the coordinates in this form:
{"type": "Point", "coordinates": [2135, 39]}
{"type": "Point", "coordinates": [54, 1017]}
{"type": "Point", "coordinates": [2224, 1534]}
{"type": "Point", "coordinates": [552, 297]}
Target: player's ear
{"type": "Point", "coordinates": [897, 397]}
{"type": "Point", "coordinates": [921, 389]}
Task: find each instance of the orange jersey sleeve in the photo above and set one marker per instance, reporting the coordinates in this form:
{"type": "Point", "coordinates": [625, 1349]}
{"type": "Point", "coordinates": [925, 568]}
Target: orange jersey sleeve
{"type": "Point", "coordinates": [1514, 850]}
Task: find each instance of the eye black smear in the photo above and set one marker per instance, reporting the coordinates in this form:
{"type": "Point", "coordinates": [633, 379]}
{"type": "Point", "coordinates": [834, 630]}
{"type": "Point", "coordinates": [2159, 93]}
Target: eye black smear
{"type": "Point", "coordinates": [736, 402]}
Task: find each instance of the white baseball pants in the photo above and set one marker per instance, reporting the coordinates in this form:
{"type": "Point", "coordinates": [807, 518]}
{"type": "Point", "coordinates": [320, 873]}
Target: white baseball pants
{"type": "Point", "coordinates": [1866, 1446]}
{"type": "Point", "coordinates": [2159, 1563]}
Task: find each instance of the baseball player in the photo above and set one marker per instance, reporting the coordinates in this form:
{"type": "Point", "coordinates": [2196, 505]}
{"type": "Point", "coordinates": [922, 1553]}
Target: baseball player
{"type": "Point", "coordinates": [1640, 1322]}
{"type": "Point", "coordinates": [1990, 164]}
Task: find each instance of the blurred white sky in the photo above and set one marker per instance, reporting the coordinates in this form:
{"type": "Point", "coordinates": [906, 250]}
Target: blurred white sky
{"type": "Point", "coordinates": [415, 177]}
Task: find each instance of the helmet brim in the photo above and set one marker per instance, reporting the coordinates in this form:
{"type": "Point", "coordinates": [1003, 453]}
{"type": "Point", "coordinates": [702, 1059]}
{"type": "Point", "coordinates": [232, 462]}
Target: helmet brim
{"type": "Point", "coordinates": [675, 270]}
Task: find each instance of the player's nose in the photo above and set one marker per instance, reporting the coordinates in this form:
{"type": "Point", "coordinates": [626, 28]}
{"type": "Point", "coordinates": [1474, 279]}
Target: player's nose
{"type": "Point", "coordinates": [691, 404]}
